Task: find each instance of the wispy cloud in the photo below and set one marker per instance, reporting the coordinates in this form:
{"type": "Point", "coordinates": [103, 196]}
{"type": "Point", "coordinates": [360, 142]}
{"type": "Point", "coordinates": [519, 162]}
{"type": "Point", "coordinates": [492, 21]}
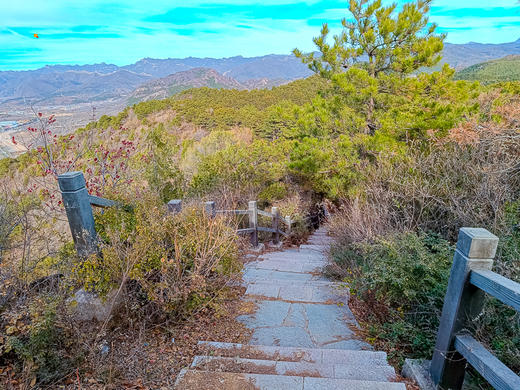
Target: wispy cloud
{"type": "Point", "coordinates": [117, 31]}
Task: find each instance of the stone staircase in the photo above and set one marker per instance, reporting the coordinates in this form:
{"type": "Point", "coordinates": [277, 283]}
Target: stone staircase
{"type": "Point", "coordinates": [303, 333]}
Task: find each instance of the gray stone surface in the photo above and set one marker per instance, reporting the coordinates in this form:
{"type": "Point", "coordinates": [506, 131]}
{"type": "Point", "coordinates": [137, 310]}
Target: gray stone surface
{"type": "Point", "coordinates": [345, 384]}
{"type": "Point", "coordinates": [314, 355]}
{"type": "Point", "coordinates": [419, 371]}
{"type": "Point", "coordinates": [281, 367]}
{"type": "Point", "coordinates": [302, 330]}
{"type": "Point", "coordinates": [87, 306]}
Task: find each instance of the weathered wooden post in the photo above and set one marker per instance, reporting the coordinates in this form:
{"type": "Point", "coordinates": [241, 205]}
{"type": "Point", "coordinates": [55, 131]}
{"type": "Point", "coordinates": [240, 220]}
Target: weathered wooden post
{"type": "Point", "coordinates": [175, 206]}
{"type": "Point", "coordinates": [476, 248]}
{"type": "Point", "coordinates": [276, 221]}
{"type": "Point", "coordinates": [210, 209]}
{"type": "Point", "coordinates": [289, 223]}
{"type": "Point", "coordinates": [253, 222]}
{"type": "Point", "coordinates": [76, 200]}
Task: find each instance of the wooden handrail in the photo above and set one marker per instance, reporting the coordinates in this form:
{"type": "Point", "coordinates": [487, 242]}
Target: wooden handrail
{"type": "Point", "coordinates": [265, 213]}
{"type": "Point", "coordinates": [102, 202]}
{"type": "Point", "coordinates": [237, 212]}
{"type": "Point", "coordinates": [487, 364]}
{"type": "Point", "coordinates": [504, 289]}
{"type": "Point", "coordinates": [253, 212]}
{"type": "Point", "coordinates": [470, 278]}
{"type": "Point", "coordinates": [78, 206]}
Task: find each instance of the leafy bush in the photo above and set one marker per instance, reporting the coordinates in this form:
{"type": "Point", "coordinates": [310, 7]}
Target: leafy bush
{"type": "Point", "coordinates": [179, 261]}
{"type": "Point", "coordinates": [38, 339]}
{"type": "Point", "coordinates": [403, 278]}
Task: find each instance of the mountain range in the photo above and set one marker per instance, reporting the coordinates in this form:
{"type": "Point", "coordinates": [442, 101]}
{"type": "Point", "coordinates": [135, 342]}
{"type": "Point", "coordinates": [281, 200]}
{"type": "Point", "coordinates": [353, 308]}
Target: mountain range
{"type": "Point", "coordinates": [63, 85]}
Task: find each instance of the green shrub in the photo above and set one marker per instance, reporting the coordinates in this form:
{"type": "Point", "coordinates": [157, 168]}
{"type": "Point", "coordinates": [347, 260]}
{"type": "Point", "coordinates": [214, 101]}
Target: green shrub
{"type": "Point", "coordinates": [177, 260]}
{"type": "Point", "coordinates": [40, 342]}
{"type": "Point", "coordinates": [403, 278]}
{"type": "Point", "coordinates": [274, 191]}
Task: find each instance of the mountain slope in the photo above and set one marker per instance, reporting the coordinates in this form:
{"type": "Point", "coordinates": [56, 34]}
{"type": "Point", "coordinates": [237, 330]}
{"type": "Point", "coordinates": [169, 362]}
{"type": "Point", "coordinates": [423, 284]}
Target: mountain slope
{"type": "Point", "coordinates": [504, 69]}
{"type": "Point", "coordinates": [273, 66]}
{"type": "Point", "coordinates": [181, 81]}
{"type": "Point", "coordinates": [69, 86]}
{"type": "Point", "coordinates": [460, 56]}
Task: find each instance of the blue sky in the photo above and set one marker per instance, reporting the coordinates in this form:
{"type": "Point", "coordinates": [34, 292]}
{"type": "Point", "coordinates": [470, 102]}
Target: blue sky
{"type": "Point", "coordinates": [122, 32]}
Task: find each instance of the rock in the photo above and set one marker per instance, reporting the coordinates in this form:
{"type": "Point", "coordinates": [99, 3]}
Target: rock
{"type": "Point", "coordinates": [87, 306]}
{"type": "Point", "coordinates": [419, 371]}
{"type": "Point", "coordinates": [258, 249]}
{"type": "Point", "coordinates": [279, 245]}
{"type": "Point", "coordinates": [104, 348]}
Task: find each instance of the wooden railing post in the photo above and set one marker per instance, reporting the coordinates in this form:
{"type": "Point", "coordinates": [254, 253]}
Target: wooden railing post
{"type": "Point", "coordinates": [289, 223]}
{"type": "Point", "coordinates": [79, 212]}
{"type": "Point", "coordinates": [175, 206]}
{"type": "Point", "coordinates": [276, 222]}
{"type": "Point", "coordinates": [253, 222]}
{"type": "Point", "coordinates": [210, 209]}
{"type": "Point", "coordinates": [475, 250]}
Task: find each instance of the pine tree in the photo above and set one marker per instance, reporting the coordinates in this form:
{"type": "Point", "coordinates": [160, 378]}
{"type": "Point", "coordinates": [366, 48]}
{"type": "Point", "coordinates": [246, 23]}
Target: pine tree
{"type": "Point", "coordinates": [376, 48]}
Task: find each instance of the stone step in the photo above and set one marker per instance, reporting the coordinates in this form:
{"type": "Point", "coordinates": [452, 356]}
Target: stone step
{"type": "Point", "coordinates": [309, 355]}
{"type": "Point", "coordinates": [207, 380]}
{"type": "Point", "coordinates": [310, 283]}
{"type": "Point", "coordinates": [256, 366]}
{"type": "Point", "coordinates": [305, 255]}
{"type": "Point", "coordinates": [298, 292]}
{"type": "Point", "coordinates": [289, 266]}
{"type": "Point", "coordinates": [251, 274]}
{"type": "Point", "coordinates": [318, 248]}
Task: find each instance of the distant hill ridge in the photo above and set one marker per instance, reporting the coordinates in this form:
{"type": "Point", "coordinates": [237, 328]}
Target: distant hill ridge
{"type": "Point", "coordinates": [503, 69]}
{"type": "Point", "coordinates": [181, 81]}
{"type": "Point", "coordinates": [70, 84]}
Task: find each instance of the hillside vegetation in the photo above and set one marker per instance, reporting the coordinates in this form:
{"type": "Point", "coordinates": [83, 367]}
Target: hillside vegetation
{"type": "Point", "coordinates": [502, 70]}
{"type": "Point", "coordinates": [401, 162]}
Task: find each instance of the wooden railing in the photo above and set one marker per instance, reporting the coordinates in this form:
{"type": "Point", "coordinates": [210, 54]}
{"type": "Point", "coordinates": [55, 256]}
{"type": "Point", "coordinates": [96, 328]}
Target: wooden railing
{"type": "Point", "coordinates": [471, 277]}
{"type": "Point", "coordinates": [78, 206]}
{"type": "Point", "coordinates": [252, 212]}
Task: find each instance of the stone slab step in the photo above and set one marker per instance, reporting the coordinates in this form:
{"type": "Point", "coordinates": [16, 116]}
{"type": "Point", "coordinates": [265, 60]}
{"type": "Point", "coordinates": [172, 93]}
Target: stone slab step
{"type": "Point", "coordinates": [207, 380]}
{"type": "Point", "coordinates": [289, 266]}
{"type": "Point", "coordinates": [310, 355]}
{"type": "Point", "coordinates": [251, 274]}
{"type": "Point", "coordinates": [305, 256]}
{"type": "Point", "coordinates": [318, 248]}
{"type": "Point", "coordinates": [309, 282]}
{"type": "Point", "coordinates": [287, 368]}
{"type": "Point", "coordinates": [299, 292]}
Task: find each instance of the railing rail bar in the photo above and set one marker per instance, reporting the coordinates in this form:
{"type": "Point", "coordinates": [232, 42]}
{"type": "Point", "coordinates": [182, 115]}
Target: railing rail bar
{"type": "Point", "coordinates": [504, 289]}
{"type": "Point", "coordinates": [245, 231]}
{"type": "Point", "coordinates": [495, 372]}
{"type": "Point", "coordinates": [265, 213]}
{"type": "Point", "coordinates": [239, 212]}
{"type": "Point", "coordinates": [101, 202]}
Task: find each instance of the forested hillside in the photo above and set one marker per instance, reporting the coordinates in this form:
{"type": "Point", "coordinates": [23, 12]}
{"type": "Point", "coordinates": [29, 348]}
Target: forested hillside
{"type": "Point", "coordinates": [502, 70]}
{"type": "Point", "coordinates": [403, 159]}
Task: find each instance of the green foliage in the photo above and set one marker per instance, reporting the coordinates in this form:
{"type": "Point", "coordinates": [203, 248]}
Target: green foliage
{"type": "Point", "coordinates": [159, 250]}
{"type": "Point", "coordinates": [395, 46]}
{"type": "Point", "coordinates": [221, 109]}
{"type": "Point", "coordinates": [400, 44]}
{"type": "Point", "coordinates": [404, 278]}
{"type": "Point", "coordinates": [326, 167]}
{"type": "Point", "coordinates": [41, 344]}
{"type": "Point", "coordinates": [496, 71]}
{"type": "Point", "coordinates": [240, 168]}
{"type": "Point", "coordinates": [163, 175]}
{"type": "Point", "coordinates": [274, 191]}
